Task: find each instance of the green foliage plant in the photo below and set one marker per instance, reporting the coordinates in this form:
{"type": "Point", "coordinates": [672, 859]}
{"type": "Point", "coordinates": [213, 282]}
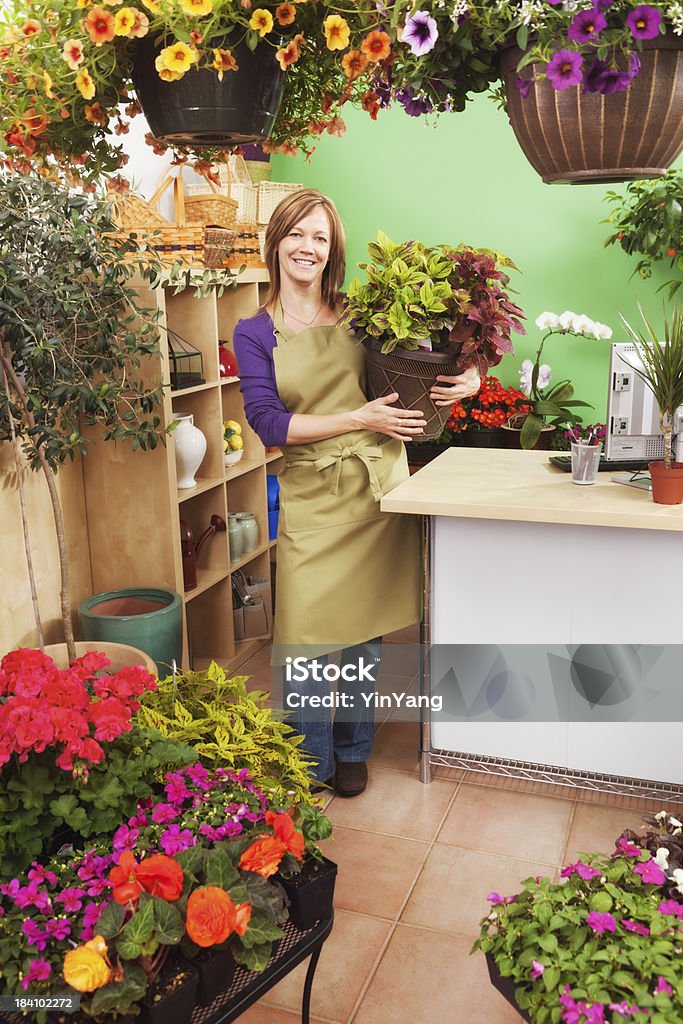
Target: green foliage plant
{"type": "Point", "coordinates": [230, 727]}
{"type": "Point", "coordinates": [603, 944]}
{"type": "Point", "coordinates": [662, 369]}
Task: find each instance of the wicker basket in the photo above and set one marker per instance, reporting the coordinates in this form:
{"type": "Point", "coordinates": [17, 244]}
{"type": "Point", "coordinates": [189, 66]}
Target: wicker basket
{"type": "Point", "coordinates": [154, 235]}
{"type": "Point", "coordinates": [246, 251]}
{"type": "Point", "coordinates": [211, 208]}
{"type": "Point", "coordinates": [219, 244]}
{"type": "Point", "coordinates": [270, 193]}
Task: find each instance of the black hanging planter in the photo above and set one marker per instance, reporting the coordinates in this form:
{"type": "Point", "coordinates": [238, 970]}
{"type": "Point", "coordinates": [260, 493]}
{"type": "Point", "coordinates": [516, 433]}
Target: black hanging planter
{"type": "Point", "coordinates": [201, 110]}
{"type": "Point", "coordinates": [216, 971]}
{"type": "Point", "coordinates": [310, 892]}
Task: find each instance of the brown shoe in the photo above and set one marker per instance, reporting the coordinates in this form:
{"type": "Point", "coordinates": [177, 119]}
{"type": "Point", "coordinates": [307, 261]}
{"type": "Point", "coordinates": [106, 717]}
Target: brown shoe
{"type": "Point", "coordinates": [351, 778]}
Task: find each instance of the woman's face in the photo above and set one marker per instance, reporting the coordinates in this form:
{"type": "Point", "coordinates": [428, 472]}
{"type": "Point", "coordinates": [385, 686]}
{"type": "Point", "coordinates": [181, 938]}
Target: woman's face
{"type": "Point", "coordinates": [304, 252]}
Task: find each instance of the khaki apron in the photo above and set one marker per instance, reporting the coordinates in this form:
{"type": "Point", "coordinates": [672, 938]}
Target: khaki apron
{"type": "Point", "coordinates": [346, 572]}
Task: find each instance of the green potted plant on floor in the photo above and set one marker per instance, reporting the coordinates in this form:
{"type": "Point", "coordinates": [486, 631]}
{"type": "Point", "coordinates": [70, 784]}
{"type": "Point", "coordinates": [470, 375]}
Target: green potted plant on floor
{"type": "Point", "coordinates": [428, 310]}
{"type": "Point", "coordinates": [661, 368]}
{"type": "Point", "coordinates": [72, 343]}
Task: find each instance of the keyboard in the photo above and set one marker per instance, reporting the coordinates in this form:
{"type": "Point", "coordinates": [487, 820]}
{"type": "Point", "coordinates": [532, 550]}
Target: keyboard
{"type": "Point", "coordinates": [610, 466]}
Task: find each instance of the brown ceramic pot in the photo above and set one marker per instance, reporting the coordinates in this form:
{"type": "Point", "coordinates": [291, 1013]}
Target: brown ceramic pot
{"type": "Point", "coordinates": [667, 484]}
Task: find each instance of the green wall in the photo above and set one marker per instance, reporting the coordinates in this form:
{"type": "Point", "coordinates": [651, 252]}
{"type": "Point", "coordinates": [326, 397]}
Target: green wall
{"type": "Point", "coordinates": [466, 179]}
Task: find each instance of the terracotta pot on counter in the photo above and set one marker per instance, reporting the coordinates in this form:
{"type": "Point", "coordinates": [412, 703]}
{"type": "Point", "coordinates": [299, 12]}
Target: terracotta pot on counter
{"type": "Point", "coordinates": [667, 484]}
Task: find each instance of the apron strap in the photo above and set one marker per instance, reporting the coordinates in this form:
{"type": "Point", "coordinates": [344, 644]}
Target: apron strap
{"type": "Point", "coordinates": [366, 454]}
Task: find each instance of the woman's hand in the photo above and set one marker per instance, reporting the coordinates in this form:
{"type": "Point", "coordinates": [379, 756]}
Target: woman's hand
{"type": "Point", "coordinates": [462, 386]}
{"type": "Point", "coordinates": [378, 415]}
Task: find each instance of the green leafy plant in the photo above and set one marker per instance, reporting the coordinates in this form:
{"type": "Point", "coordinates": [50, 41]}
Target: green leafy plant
{"type": "Point", "coordinates": [600, 946]}
{"type": "Point", "coordinates": [662, 369]}
{"type": "Point", "coordinates": [647, 221]}
{"type": "Point", "coordinates": [72, 343]}
{"type": "Point", "coordinates": [419, 296]}
{"type": "Point", "coordinates": [230, 727]}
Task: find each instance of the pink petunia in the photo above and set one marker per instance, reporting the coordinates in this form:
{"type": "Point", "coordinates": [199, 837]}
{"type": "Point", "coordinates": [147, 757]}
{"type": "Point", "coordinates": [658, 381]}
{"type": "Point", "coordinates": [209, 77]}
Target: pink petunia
{"type": "Point", "coordinates": [601, 923]}
{"type": "Point", "coordinates": [650, 872]}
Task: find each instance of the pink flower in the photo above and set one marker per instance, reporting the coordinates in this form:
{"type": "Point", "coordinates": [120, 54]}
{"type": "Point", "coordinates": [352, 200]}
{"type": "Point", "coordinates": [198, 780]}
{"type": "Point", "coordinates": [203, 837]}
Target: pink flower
{"type": "Point", "coordinates": [601, 923]}
{"type": "Point", "coordinates": [71, 900]}
{"type": "Point", "coordinates": [650, 872]}
{"type": "Point", "coordinates": [39, 970]}
{"type": "Point", "coordinates": [623, 1008]}
{"type": "Point", "coordinates": [636, 927]}
{"type": "Point", "coordinates": [537, 969]}
{"type": "Point", "coordinates": [585, 871]}
{"type": "Point", "coordinates": [495, 899]}
{"type": "Point", "coordinates": [672, 908]}
{"type": "Point", "coordinates": [628, 849]}
{"type": "Point", "coordinates": [164, 813]}
{"type": "Point", "coordinates": [664, 986]}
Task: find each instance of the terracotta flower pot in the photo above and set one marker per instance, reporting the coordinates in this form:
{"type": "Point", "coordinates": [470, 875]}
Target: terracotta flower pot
{"type": "Point", "coordinates": [120, 655]}
{"type": "Point", "coordinates": [411, 374]}
{"type": "Point", "coordinates": [667, 484]}
{"type": "Point", "coordinates": [576, 137]}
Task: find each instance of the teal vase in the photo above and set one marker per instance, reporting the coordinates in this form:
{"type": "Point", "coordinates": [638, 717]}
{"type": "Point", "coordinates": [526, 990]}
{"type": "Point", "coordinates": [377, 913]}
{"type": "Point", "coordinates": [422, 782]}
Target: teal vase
{"type": "Point", "coordinates": [143, 617]}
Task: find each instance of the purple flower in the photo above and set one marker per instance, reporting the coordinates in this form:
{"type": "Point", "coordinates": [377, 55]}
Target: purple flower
{"type": "Point", "coordinates": [644, 22]}
{"type": "Point", "coordinates": [524, 86]}
{"type": "Point", "coordinates": [537, 969]}
{"type": "Point", "coordinates": [603, 78]}
{"type": "Point", "coordinates": [71, 899]}
{"type": "Point", "coordinates": [623, 1008]}
{"type": "Point", "coordinates": [90, 919]}
{"type": "Point", "coordinates": [564, 69]}
{"type": "Point", "coordinates": [176, 789]}
{"type": "Point", "coordinates": [35, 936]}
{"type": "Point", "coordinates": [198, 774]}
{"type": "Point", "coordinates": [125, 838]}
{"type": "Point", "coordinates": [164, 813]}
{"type": "Point", "coordinates": [175, 840]}
{"type": "Point", "coordinates": [601, 923]}
{"type": "Point", "coordinates": [636, 927]}
{"type": "Point", "coordinates": [58, 928]}
{"type": "Point", "coordinates": [650, 872]}
{"type": "Point", "coordinates": [30, 896]}
{"type": "Point", "coordinates": [495, 899]}
{"type": "Point", "coordinates": [229, 829]}
{"type": "Point", "coordinates": [628, 849]}
{"type": "Point", "coordinates": [39, 970]}
{"type": "Point", "coordinates": [586, 25]}
{"type": "Point", "coordinates": [584, 870]}
{"type": "Point", "coordinates": [420, 33]}
{"type": "Point", "coordinates": [578, 1012]}
{"type": "Point", "coordinates": [664, 986]}
{"type": "Point", "coordinates": [40, 874]}
{"type": "Point", "coordinates": [672, 908]}
{"type": "Point", "coordinates": [413, 106]}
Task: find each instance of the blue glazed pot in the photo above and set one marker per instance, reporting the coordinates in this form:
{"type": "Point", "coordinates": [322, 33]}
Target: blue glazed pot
{"type": "Point", "coordinates": [143, 617]}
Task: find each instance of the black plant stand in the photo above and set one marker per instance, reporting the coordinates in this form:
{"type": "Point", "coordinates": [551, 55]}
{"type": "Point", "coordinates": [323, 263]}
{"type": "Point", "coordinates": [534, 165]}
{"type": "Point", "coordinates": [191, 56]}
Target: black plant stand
{"type": "Point", "coordinates": [246, 987]}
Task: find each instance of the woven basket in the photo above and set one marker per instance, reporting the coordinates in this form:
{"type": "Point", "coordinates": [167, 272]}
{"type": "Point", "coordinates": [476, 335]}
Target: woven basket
{"type": "Point", "coordinates": [154, 235]}
{"type": "Point", "coordinates": [219, 244]}
{"type": "Point", "coordinates": [246, 251]}
{"type": "Point", "coordinates": [270, 193]}
{"type": "Point", "coordinates": [212, 208]}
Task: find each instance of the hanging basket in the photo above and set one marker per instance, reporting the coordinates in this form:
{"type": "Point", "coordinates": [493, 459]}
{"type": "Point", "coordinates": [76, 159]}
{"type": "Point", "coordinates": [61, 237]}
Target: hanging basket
{"type": "Point", "coordinates": [412, 374]}
{"type": "Point", "coordinates": [201, 110]}
{"type": "Point", "coordinates": [584, 138]}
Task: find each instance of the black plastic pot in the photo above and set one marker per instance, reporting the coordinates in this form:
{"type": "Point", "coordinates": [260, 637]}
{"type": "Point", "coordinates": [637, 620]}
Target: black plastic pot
{"type": "Point", "coordinates": [201, 110]}
{"type": "Point", "coordinates": [216, 971]}
{"type": "Point", "coordinates": [311, 892]}
{"type": "Point", "coordinates": [161, 1006]}
{"type": "Point", "coordinates": [505, 986]}
{"type": "Point", "coordinates": [411, 374]}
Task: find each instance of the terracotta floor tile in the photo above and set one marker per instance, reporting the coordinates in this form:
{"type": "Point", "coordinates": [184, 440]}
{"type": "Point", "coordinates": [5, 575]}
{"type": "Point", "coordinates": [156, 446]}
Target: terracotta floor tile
{"type": "Point", "coordinates": [395, 803]}
{"type": "Point", "coordinates": [426, 977]}
{"type": "Point", "coordinates": [450, 894]}
{"type": "Point", "coordinates": [260, 1013]}
{"type": "Point", "coordinates": [346, 962]}
{"type": "Point", "coordinates": [513, 785]}
{"type": "Point", "coordinates": [376, 872]}
{"type": "Point", "coordinates": [516, 824]}
{"type": "Point", "coordinates": [596, 828]}
{"type": "Point", "coordinates": [396, 746]}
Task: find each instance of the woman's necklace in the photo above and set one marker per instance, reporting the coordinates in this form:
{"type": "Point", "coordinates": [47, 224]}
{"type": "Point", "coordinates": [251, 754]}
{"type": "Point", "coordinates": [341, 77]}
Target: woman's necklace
{"type": "Point", "coordinates": [298, 318]}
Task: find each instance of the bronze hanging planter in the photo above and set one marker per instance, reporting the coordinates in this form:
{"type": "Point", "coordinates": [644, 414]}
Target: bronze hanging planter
{"type": "Point", "coordinates": [588, 138]}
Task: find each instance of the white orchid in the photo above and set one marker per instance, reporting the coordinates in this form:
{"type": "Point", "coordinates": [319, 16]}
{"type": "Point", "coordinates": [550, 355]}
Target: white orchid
{"type": "Point", "coordinates": [662, 858]}
{"type": "Point", "coordinates": [547, 321]}
{"type": "Point", "coordinates": [584, 325]}
{"type": "Point", "coordinates": [675, 821]}
{"type": "Point", "coordinates": [567, 320]}
{"type": "Point", "coordinates": [601, 332]}
{"type": "Point", "coordinates": [525, 376]}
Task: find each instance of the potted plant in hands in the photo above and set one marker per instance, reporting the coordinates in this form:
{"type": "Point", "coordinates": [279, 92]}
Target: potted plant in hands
{"type": "Point", "coordinates": [72, 340]}
{"type": "Point", "coordinates": [428, 310]}
{"type": "Point", "coordinates": [662, 370]}
{"type": "Point", "coordinates": [550, 406]}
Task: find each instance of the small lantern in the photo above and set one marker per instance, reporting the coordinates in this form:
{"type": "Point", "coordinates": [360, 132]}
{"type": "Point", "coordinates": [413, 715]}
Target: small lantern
{"type": "Point", "coordinates": [187, 370]}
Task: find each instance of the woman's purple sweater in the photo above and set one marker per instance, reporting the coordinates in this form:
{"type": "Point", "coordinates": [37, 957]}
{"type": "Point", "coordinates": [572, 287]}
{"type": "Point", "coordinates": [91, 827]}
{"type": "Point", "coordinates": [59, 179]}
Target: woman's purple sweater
{"type": "Point", "coordinates": [254, 340]}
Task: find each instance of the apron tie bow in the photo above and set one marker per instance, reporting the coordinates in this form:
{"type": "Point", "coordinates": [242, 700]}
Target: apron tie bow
{"type": "Point", "coordinates": [366, 454]}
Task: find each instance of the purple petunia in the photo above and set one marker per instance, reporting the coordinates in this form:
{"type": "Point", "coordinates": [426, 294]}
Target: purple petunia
{"type": "Point", "coordinates": [601, 923]}
{"type": "Point", "coordinates": [585, 871]}
{"type": "Point", "coordinates": [420, 33]}
{"type": "Point", "coordinates": [39, 970]}
{"type": "Point", "coordinates": [564, 69]}
{"type": "Point", "coordinates": [524, 86]}
{"type": "Point", "coordinates": [650, 872]}
{"type": "Point", "coordinates": [413, 106]}
{"type": "Point", "coordinates": [636, 927]}
{"type": "Point", "coordinates": [644, 22]}
{"type": "Point", "coordinates": [586, 25]}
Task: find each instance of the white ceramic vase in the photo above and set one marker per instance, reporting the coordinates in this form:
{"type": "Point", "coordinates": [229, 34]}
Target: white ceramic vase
{"type": "Point", "coordinates": [190, 449]}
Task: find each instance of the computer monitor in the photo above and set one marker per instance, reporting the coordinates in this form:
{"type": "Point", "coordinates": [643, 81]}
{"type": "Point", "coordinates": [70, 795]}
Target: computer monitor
{"type": "Point", "coordinates": [633, 430]}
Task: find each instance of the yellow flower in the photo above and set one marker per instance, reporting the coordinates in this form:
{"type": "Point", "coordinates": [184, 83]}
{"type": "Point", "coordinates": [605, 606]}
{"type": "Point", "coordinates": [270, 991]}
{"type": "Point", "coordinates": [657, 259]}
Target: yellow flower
{"type": "Point", "coordinates": [223, 60]}
{"type": "Point", "coordinates": [124, 21]}
{"type": "Point", "coordinates": [164, 74]}
{"type": "Point", "coordinates": [179, 58]}
{"type": "Point", "coordinates": [261, 21]}
{"type": "Point", "coordinates": [72, 53]}
{"type": "Point", "coordinates": [197, 7]}
{"type": "Point", "coordinates": [152, 5]}
{"type": "Point", "coordinates": [337, 32]}
{"type": "Point", "coordinates": [85, 84]}
{"type": "Point", "coordinates": [85, 968]}
{"type": "Point", "coordinates": [47, 81]}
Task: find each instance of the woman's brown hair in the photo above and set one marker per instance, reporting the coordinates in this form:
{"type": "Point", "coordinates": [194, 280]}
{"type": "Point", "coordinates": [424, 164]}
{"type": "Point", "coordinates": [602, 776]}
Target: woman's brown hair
{"type": "Point", "coordinates": [288, 213]}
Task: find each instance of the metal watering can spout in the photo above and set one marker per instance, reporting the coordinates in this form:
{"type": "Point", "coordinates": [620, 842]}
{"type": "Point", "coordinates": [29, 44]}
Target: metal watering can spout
{"type": "Point", "coordinates": [217, 525]}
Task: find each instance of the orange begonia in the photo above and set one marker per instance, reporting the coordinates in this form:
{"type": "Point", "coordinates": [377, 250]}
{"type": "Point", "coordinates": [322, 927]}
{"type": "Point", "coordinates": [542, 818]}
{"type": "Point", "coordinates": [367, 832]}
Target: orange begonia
{"type": "Point", "coordinates": [376, 45]}
{"type": "Point", "coordinates": [212, 916]}
{"type": "Point", "coordinates": [161, 876]}
{"type": "Point", "coordinates": [126, 886]}
{"type": "Point", "coordinates": [263, 856]}
{"type": "Point", "coordinates": [284, 830]}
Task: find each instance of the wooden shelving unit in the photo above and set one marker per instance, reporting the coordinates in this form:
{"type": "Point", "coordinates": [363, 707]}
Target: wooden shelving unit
{"type": "Point", "coordinates": [133, 503]}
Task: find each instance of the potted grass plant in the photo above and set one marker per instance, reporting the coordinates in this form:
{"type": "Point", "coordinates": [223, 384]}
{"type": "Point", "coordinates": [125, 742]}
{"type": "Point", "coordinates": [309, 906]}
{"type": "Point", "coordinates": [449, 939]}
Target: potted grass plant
{"type": "Point", "coordinates": [428, 310]}
{"type": "Point", "coordinates": [661, 368]}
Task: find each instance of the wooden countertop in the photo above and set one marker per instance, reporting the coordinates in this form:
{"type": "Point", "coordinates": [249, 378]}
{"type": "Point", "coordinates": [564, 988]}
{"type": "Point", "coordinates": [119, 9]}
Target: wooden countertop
{"type": "Point", "coordinates": [491, 483]}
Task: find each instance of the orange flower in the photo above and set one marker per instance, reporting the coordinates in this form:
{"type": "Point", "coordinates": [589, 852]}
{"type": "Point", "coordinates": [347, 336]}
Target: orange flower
{"type": "Point", "coordinates": [34, 124]}
{"type": "Point", "coordinates": [287, 55]}
{"type": "Point", "coordinates": [95, 114]}
{"type": "Point", "coordinates": [336, 127]}
{"type": "Point", "coordinates": [263, 856]}
{"type": "Point", "coordinates": [72, 53]}
{"type": "Point", "coordinates": [370, 102]}
{"type": "Point", "coordinates": [285, 14]}
{"type": "Point", "coordinates": [161, 876]}
{"type": "Point", "coordinates": [223, 60]}
{"type": "Point", "coordinates": [376, 45]}
{"type": "Point", "coordinates": [354, 63]}
{"type": "Point", "coordinates": [100, 26]}
{"type": "Point", "coordinates": [212, 916]}
{"type": "Point", "coordinates": [31, 27]}
{"type": "Point", "coordinates": [284, 830]}
{"type": "Point", "coordinates": [86, 967]}
{"type": "Point", "coordinates": [126, 886]}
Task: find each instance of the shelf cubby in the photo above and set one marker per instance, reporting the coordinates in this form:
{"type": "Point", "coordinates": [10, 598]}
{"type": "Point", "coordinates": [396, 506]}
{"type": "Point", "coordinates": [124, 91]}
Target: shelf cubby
{"type": "Point", "coordinates": [194, 318]}
{"type": "Point", "coordinates": [207, 412]}
{"type": "Point", "coordinates": [209, 624]}
{"type": "Point", "coordinates": [247, 493]}
{"type": "Point", "coordinates": [233, 409]}
{"type": "Point", "coordinates": [197, 514]}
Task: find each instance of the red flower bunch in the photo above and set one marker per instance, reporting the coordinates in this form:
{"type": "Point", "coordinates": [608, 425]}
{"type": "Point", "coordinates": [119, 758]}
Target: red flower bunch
{"type": "Point", "coordinates": [158, 875]}
{"type": "Point", "coordinates": [264, 855]}
{"type": "Point", "coordinates": [72, 710]}
{"type": "Point", "coordinates": [491, 407]}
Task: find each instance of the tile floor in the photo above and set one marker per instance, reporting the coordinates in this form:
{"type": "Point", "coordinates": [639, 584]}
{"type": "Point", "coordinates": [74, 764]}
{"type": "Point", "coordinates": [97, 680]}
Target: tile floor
{"type": "Point", "coordinates": [415, 865]}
